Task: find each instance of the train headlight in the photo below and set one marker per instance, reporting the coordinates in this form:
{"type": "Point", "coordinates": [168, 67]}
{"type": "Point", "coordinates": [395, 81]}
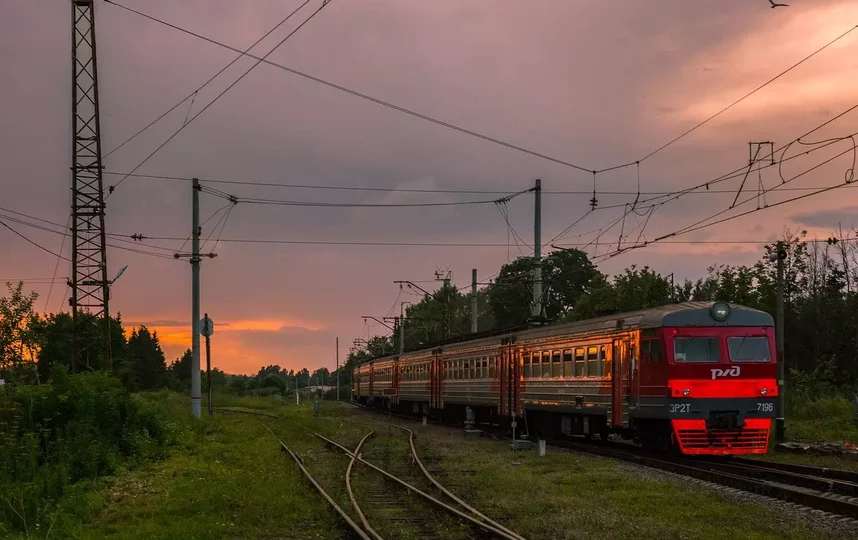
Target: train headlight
{"type": "Point", "coordinates": [763, 391]}
{"type": "Point", "coordinates": [686, 391]}
{"type": "Point", "coordinates": [720, 311]}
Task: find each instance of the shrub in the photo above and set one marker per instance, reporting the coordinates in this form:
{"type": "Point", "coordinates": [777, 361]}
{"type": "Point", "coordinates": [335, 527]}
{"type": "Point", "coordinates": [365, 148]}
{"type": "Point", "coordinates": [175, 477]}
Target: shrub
{"type": "Point", "coordinates": [74, 428]}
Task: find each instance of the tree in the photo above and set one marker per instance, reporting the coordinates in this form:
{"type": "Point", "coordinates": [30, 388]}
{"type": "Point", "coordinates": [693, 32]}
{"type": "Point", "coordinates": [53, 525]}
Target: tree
{"type": "Point", "coordinates": [181, 367]}
{"type": "Point", "coordinates": [18, 334]}
{"type": "Point", "coordinates": [567, 275]}
{"type": "Point", "coordinates": [148, 364]}
{"type": "Point", "coordinates": [630, 291]}
{"type": "Point", "coordinates": [321, 376]}
{"type": "Point", "coordinates": [55, 333]}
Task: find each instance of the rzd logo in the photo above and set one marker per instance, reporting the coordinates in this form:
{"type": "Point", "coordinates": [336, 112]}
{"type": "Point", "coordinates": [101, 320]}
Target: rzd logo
{"type": "Point", "coordinates": [732, 372]}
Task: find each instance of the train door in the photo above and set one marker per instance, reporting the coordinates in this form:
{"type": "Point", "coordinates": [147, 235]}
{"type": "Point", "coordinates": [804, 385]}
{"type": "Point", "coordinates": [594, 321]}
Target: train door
{"type": "Point", "coordinates": [634, 370]}
{"type": "Point", "coordinates": [435, 375]}
{"type": "Point", "coordinates": [504, 388]}
{"type": "Point", "coordinates": [619, 378]}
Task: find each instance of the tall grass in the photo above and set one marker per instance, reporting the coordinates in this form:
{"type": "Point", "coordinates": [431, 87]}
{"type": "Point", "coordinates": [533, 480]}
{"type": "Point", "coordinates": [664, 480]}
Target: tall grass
{"type": "Point", "coordinates": [73, 429]}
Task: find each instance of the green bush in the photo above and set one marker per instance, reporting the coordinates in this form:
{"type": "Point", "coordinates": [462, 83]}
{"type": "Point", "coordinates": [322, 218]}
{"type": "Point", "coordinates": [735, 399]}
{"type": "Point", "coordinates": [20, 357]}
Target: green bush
{"type": "Point", "coordinates": [74, 428]}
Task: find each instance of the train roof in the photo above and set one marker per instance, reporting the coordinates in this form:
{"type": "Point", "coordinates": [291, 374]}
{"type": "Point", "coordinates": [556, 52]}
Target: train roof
{"type": "Point", "coordinates": [674, 314]}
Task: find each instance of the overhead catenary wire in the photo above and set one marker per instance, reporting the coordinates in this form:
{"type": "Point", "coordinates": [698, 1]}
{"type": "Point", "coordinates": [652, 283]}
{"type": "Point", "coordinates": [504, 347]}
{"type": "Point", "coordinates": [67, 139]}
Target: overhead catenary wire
{"type": "Point", "coordinates": [43, 248]}
{"type": "Point", "coordinates": [193, 95]}
{"type": "Point", "coordinates": [416, 190]}
{"type": "Point", "coordinates": [706, 222]}
{"type": "Point", "coordinates": [361, 95]}
{"type": "Point", "coordinates": [222, 93]}
{"type": "Point", "coordinates": [733, 104]}
{"type": "Point", "coordinates": [57, 265]}
{"type": "Point", "coordinates": [741, 171]}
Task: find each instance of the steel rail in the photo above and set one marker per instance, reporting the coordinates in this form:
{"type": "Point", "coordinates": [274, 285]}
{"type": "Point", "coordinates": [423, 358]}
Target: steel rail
{"type": "Point", "coordinates": [821, 472]}
{"type": "Point", "coordinates": [809, 481]}
{"type": "Point", "coordinates": [450, 494]}
{"type": "Point", "coordinates": [704, 471]}
{"type": "Point", "coordinates": [355, 504]}
{"type": "Point", "coordinates": [283, 448]}
{"type": "Point", "coordinates": [441, 504]}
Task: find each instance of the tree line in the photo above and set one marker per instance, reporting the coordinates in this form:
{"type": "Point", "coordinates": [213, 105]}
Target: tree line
{"type": "Point", "coordinates": [820, 304]}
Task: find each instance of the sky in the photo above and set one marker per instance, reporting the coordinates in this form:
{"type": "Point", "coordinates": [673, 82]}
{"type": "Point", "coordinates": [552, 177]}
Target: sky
{"type": "Point", "coordinates": [594, 84]}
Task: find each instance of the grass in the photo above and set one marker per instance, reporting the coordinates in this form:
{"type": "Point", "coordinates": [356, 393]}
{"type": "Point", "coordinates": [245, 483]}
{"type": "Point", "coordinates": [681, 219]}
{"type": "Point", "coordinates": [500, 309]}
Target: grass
{"type": "Point", "coordinates": [821, 420]}
{"type": "Point", "coordinates": [228, 479]}
{"type": "Point", "coordinates": [569, 495]}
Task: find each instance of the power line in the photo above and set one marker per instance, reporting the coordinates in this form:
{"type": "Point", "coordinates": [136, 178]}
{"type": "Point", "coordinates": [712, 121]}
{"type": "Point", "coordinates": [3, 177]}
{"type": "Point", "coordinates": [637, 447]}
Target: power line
{"type": "Point", "coordinates": [228, 88]}
{"type": "Point", "coordinates": [415, 190]}
{"type": "Point", "coordinates": [731, 105]}
{"type": "Point", "coordinates": [43, 248]}
{"type": "Point", "coordinates": [363, 96]}
{"type": "Point", "coordinates": [739, 172]}
{"type": "Point", "coordinates": [702, 224]}
{"type": "Point", "coordinates": [57, 265]}
{"type": "Point", "coordinates": [319, 204]}
{"type": "Point", "coordinates": [192, 96]}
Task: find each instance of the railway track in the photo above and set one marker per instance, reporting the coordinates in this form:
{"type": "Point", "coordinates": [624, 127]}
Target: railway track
{"type": "Point", "coordinates": [828, 490]}
{"type": "Point", "coordinates": [825, 494]}
{"type": "Point", "coordinates": [382, 503]}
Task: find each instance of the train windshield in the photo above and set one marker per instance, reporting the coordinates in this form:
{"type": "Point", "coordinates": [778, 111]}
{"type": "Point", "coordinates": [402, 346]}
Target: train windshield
{"type": "Point", "coordinates": [749, 349]}
{"type": "Point", "coordinates": [696, 349]}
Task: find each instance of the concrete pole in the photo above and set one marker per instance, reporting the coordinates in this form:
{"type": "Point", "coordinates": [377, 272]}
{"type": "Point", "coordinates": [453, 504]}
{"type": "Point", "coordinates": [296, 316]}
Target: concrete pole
{"type": "Point", "coordinates": [401, 328]}
{"type": "Point", "coordinates": [780, 427]}
{"type": "Point", "coordinates": [474, 301]}
{"type": "Point", "coordinates": [338, 369]}
{"type": "Point", "coordinates": [196, 396]}
{"type": "Point", "coordinates": [537, 250]}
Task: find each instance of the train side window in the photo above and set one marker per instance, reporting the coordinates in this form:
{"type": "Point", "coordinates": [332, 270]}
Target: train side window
{"type": "Point", "coordinates": [546, 364]}
{"type": "Point", "coordinates": [655, 351]}
{"type": "Point", "coordinates": [567, 363]}
{"type": "Point", "coordinates": [579, 362]}
{"type": "Point", "coordinates": [492, 367]}
{"type": "Point", "coordinates": [556, 365]}
{"type": "Point", "coordinates": [526, 370]}
{"type": "Point", "coordinates": [592, 361]}
{"type": "Point", "coordinates": [535, 366]}
{"type": "Point", "coordinates": [486, 367]}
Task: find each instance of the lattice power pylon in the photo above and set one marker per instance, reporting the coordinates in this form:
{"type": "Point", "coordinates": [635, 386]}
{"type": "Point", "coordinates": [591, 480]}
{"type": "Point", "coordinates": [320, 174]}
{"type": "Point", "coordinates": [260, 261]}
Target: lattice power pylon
{"type": "Point", "coordinates": [89, 285]}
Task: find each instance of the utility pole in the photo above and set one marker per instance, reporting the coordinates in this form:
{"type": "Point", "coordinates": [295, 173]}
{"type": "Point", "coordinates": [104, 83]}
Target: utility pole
{"type": "Point", "coordinates": [780, 256]}
{"type": "Point", "coordinates": [89, 285]}
{"type": "Point", "coordinates": [537, 250]}
{"type": "Point", "coordinates": [338, 369]}
{"type": "Point", "coordinates": [195, 257]}
{"type": "Point", "coordinates": [474, 301]}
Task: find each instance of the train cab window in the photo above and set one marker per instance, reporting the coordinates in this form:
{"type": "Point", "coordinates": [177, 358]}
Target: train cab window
{"type": "Point", "coordinates": [556, 365]}
{"type": "Point", "coordinates": [592, 361]}
{"type": "Point", "coordinates": [749, 349]}
{"type": "Point", "coordinates": [567, 363]}
{"type": "Point", "coordinates": [579, 362]}
{"type": "Point", "coordinates": [546, 364]}
{"type": "Point", "coordinates": [696, 349]}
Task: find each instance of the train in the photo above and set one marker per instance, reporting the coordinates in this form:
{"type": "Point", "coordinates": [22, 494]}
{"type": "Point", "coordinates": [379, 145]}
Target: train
{"type": "Point", "coordinates": [697, 378]}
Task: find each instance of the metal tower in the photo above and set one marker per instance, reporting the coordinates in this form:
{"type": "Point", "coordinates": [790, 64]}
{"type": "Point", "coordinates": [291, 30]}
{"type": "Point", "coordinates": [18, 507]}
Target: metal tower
{"type": "Point", "coordinates": [89, 285]}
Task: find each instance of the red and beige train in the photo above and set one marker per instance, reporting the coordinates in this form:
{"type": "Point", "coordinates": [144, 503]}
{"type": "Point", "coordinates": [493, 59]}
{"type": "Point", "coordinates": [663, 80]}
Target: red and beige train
{"type": "Point", "coordinates": [698, 377]}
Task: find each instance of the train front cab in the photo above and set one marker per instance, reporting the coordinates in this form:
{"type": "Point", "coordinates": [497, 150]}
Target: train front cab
{"type": "Point", "coordinates": [720, 378]}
